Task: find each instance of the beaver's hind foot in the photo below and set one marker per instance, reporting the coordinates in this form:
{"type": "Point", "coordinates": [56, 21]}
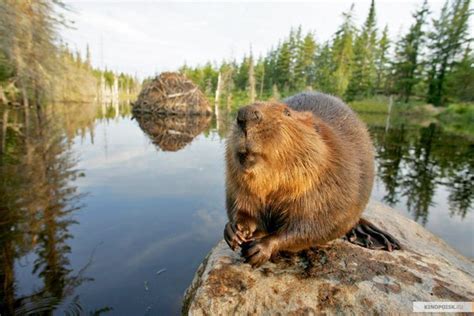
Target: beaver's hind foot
{"type": "Point", "coordinates": [365, 234]}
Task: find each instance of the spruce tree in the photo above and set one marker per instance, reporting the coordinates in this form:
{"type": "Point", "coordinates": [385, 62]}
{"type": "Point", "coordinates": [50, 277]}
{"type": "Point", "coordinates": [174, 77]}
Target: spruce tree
{"type": "Point", "coordinates": [324, 69]}
{"type": "Point", "coordinates": [283, 67]}
{"type": "Point", "coordinates": [242, 74]}
{"type": "Point", "coordinates": [363, 78]}
{"type": "Point", "coordinates": [270, 70]}
{"type": "Point", "coordinates": [460, 81]}
{"type": "Point", "coordinates": [343, 53]}
{"type": "Point", "coordinates": [28, 38]}
{"type": "Point", "coordinates": [209, 78]}
{"type": "Point", "coordinates": [382, 63]}
{"type": "Point", "coordinates": [304, 63]}
{"type": "Point", "coordinates": [407, 66]}
{"type": "Point", "coordinates": [450, 32]}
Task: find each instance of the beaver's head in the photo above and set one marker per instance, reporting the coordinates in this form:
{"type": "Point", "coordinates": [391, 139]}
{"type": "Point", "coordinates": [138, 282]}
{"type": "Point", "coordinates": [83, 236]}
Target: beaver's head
{"type": "Point", "coordinates": [267, 133]}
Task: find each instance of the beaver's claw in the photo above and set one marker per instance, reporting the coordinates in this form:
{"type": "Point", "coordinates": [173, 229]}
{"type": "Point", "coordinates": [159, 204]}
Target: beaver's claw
{"type": "Point", "coordinates": [257, 252]}
{"type": "Point", "coordinates": [233, 236]}
{"type": "Point", "coordinates": [367, 235]}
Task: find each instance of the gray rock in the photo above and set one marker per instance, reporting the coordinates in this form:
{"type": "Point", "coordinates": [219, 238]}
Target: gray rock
{"type": "Point", "coordinates": [340, 279]}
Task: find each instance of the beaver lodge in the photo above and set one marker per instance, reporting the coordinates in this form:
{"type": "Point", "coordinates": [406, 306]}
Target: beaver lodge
{"type": "Point", "coordinates": [171, 94]}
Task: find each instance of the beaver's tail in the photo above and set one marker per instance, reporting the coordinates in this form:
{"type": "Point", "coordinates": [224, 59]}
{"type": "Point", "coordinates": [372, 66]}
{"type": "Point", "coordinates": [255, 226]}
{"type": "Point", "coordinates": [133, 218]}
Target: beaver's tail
{"type": "Point", "coordinates": [367, 235]}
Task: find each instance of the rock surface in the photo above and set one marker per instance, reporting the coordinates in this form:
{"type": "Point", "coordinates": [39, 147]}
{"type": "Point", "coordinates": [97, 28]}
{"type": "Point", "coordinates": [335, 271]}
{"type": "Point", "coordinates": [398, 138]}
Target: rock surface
{"type": "Point", "coordinates": [171, 94]}
{"type": "Point", "coordinates": [341, 279]}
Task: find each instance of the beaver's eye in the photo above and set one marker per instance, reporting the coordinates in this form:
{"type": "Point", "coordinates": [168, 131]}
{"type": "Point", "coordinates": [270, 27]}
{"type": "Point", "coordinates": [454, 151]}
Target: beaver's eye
{"type": "Point", "coordinates": [287, 112]}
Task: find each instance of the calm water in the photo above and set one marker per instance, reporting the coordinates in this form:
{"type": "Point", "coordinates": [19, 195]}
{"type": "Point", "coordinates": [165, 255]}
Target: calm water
{"type": "Point", "coordinates": [101, 212]}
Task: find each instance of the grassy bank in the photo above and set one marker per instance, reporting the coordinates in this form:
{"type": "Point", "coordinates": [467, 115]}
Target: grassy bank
{"type": "Point", "coordinates": [456, 118]}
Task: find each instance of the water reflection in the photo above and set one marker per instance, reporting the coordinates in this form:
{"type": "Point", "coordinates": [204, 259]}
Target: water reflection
{"type": "Point", "coordinates": [414, 161]}
{"type": "Point", "coordinates": [38, 199]}
{"type": "Point", "coordinates": [172, 133]}
{"type": "Point", "coordinates": [149, 210]}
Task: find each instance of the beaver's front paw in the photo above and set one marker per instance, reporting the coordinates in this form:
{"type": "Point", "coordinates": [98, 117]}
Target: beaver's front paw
{"type": "Point", "coordinates": [246, 228]}
{"type": "Point", "coordinates": [258, 252]}
{"type": "Point", "coordinates": [233, 236]}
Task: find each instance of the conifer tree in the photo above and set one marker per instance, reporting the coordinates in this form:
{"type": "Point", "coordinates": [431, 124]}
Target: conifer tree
{"type": "Point", "coordinates": [283, 67]}
{"type": "Point", "coordinates": [270, 70]}
{"type": "Point", "coordinates": [364, 73]}
{"type": "Point", "coordinates": [324, 69]}
{"type": "Point", "coordinates": [343, 54]}
{"type": "Point", "coordinates": [304, 63]}
{"type": "Point", "coordinates": [28, 35]}
{"type": "Point", "coordinates": [382, 63]}
{"type": "Point", "coordinates": [460, 81]}
{"type": "Point", "coordinates": [242, 75]}
{"type": "Point", "coordinates": [450, 32]}
{"type": "Point", "coordinates": [407, 65]}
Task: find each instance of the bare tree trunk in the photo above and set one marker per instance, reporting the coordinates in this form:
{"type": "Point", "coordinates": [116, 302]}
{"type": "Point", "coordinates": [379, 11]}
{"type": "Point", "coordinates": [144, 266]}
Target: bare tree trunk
{"type": "Point", "coordinates": [251, 82]}
{"type": "Point", "coordinates": [26, 133]}
{"type": "Point", "coordinates": [127, 91]}
{"type": "Point", "coordinates": [218, 94]}
{"type": "Point", "coordinates": [37, 98]}
{"type": "Point", "coordinates": [26, 108]}
{"type": "Point", "coordinates": [115, 97]}
{"type": "Point", "coordinates": [387, 122]}
{"type": "Point", "coordinates": [7, 278]}
{"type": "Point", "coordinates": [275, 92]}
{"type": "Point", "coordinates": [4, 131]}
{"type": "Point", "coordinates": [261, 84]}
{"type": "Point", "coordinates": [3, 97]}
{"type": "Point", "coordinates": [229, 102]}
{"type": "Point", "coordinates": [25, 97]}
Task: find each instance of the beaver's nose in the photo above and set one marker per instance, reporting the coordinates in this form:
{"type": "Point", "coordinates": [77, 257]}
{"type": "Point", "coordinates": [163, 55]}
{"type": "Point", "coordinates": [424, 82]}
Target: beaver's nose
{"type": "Point", "coordinates": [248, 116]}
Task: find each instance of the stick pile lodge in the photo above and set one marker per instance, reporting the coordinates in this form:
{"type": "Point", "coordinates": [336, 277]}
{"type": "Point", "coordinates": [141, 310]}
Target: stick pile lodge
{"type": "Point", "coordinates": [171, 94]}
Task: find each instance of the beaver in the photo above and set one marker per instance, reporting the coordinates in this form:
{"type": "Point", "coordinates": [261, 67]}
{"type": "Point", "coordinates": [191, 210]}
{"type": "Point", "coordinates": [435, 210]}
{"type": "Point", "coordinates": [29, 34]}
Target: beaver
{"type": "Point", "coordinates": [299, 173]}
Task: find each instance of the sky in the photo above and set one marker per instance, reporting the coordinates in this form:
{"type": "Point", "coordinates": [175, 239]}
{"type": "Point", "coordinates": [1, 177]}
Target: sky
{"type": "Point", "coordinates": [144, 38]}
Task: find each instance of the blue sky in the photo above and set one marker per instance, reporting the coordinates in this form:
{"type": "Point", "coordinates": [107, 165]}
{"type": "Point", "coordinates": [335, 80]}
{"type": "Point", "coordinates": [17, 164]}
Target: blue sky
{"type": "Point", "coordinates": [147, 37]}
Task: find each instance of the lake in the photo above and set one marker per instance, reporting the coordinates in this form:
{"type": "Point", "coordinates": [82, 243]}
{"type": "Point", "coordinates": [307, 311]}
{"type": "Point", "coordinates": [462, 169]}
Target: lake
{"type": "Point", "coordinates": [103, 212]}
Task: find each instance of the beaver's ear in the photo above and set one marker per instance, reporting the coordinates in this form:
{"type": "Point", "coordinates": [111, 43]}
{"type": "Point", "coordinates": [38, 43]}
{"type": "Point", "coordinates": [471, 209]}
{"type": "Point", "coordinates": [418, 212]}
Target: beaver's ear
{"type": "Point", "coordinates": [306, 118]}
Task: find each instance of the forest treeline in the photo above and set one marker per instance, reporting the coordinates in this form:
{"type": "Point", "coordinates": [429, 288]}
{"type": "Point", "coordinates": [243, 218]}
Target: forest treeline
{"type": "Point", "coordinates": [432, 61]}
{"type": "Point", "coordinates": [36, 66]}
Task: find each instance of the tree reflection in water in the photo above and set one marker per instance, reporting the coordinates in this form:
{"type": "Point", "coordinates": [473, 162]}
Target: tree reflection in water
{"type": "Point", "coordinates": [39, 194]}
{"type": "Point", "coordinates": [414, 161]}
{"type": "Point", "coordinates": [38, 199]}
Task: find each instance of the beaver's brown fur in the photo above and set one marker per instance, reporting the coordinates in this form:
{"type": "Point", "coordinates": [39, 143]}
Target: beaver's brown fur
{"type": "Point", "coordinates": [299, 174]}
